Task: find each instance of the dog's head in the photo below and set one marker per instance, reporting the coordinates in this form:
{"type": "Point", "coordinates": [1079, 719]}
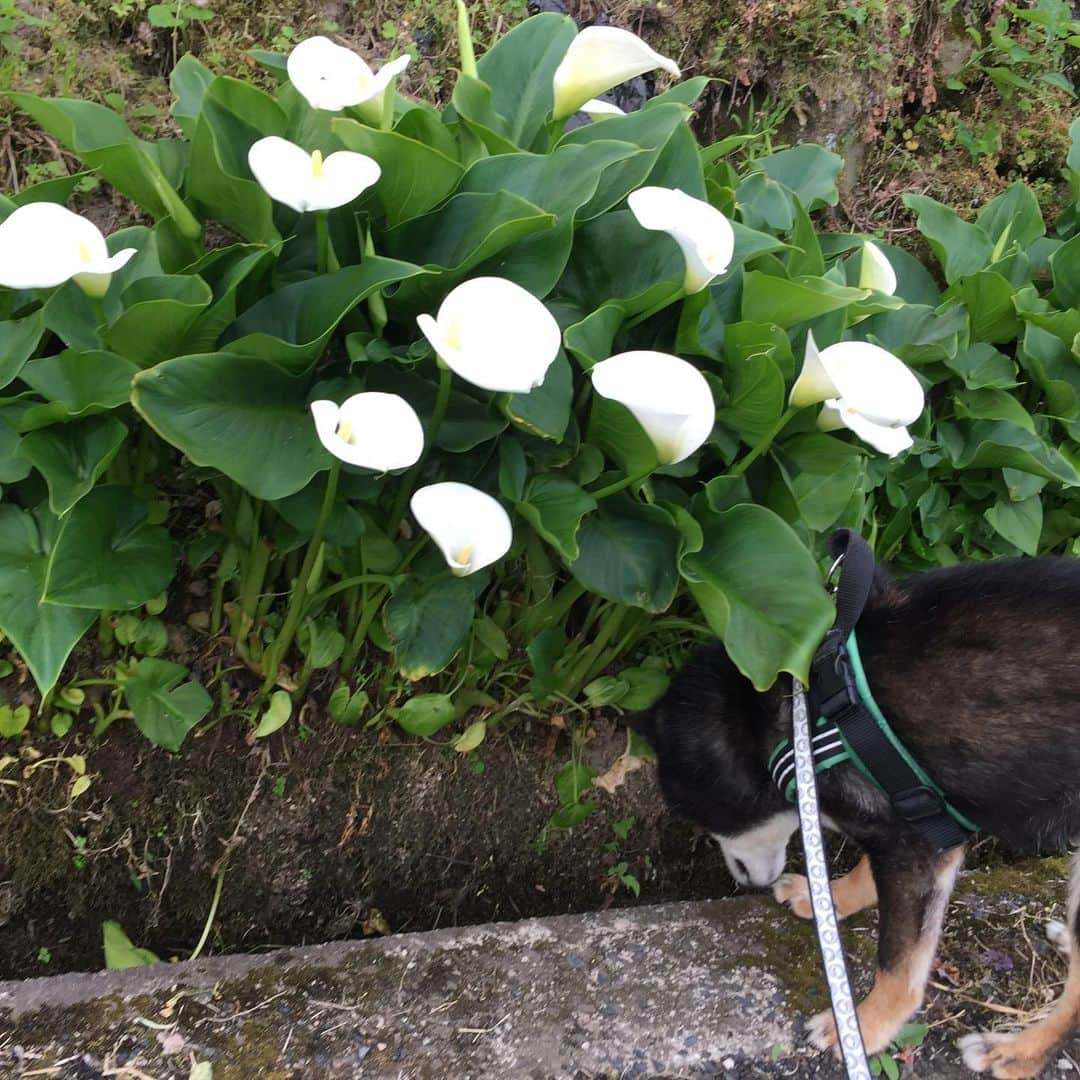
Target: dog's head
{"type": "Point", "coordinates": [709, 733]}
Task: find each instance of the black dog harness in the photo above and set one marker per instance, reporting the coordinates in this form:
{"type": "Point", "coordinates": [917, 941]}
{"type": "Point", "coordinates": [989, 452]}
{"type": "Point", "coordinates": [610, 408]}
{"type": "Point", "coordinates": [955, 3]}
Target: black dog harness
{"type": "Point", "coordinates": [850, 726]}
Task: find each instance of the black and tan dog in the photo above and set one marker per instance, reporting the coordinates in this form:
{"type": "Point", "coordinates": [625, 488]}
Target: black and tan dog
{"type": "Point", "coordinates": [975, 667]}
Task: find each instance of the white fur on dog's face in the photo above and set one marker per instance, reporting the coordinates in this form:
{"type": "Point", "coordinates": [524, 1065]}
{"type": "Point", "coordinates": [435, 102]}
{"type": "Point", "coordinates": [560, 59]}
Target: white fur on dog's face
{"type": "Point", "coordinates": [757, 856]}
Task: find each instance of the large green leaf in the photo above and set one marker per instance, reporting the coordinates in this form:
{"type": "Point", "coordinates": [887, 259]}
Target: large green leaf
{"type": "Point", "coordinates": [761, 592]}
{"type": "Point", "coordinates": [628, 552]}
{"type": "Point", "coordinates": [545, 410]}
{"type": "Point", "coordinates": [415, 177]}
{"type": "Point", "coordinates": [73, 456]}
{"type": "Point", "coordinates": [554, 505]}
{"type": "Point", "coordinates": [988, 298]}
{"type": "Point", "coordinates": [239, 414]}
{"type": "Point", "coordinates": [233, 116]}
{"type": "Point", "coordinates": [107, 556]}
{"type": "Point", "coordinates": [1065, 264]}
{"type": "Point", "coordinates": [519, 69]}
{"type": "Point", "coordinates": [982, 366]}
{"type": "Point", "coordinates": [786, 302]}
{"type": "Point", "coordinates": [165, 707]}
{"type": "Point", "coordinates": [427, 622]}
{"type": "Point", "coordinates": [1018, 522]}
{"type": "Point", "coordinates": [76, 384]}
{"type": "Point", "coordinates": [291, 327]}
{"type": "Point", "coordinates": [1013, 217]}
{"type": "Point", "coordinates": [808, 170]}
{"type": "Point", "coordinates": [426, 714]}
{"type": "Point", "coordinates": [822, 473]}
{"type": "Point", "coordinates": [188, 81]}
{"type": "Point", "coordinates": [158, 313]}
{"type": "Point", "coordinates": [961, 247]}
{"type": "Point", "coordinates": [1001, 444]}
{"type": "Point", "coordinates": [918, 334]}
{"type": "Point", "coordinates": [18, 340]}
{"type": "Point", "coordinates": [43, 634]}
{"type": "Point", "coordinates": [755, 396]}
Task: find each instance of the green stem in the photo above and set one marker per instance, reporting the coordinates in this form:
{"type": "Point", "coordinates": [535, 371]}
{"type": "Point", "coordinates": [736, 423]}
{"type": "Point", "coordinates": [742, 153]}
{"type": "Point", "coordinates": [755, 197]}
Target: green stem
{"type": "Point", "coordinates": [322, 241]}
{"type": "Point", "coordinates": [465, 45]}
{"type": "Point", "coordinates": [142, 453]}
{"type": "Point", "coordinates": [210, 915]}
{"type": "Point", "coordinates": [619, 485]}
{"type": "Point", "coordinates": [348, 583]}
{"type": "Point", "coordinates": [405, 491]}
{"type": "Point", "coordinates": [551, 613]}
{"type": "Point", "coordinates": [376, 303]}
{"type": "Point", "coordinates": [580, 672]}
{"type": "Point", "coordinates": [275, 654]}
{"type": "Point", "coordinates": [674, 298]}
{"type": "Point", "coordinates": [743, 464]}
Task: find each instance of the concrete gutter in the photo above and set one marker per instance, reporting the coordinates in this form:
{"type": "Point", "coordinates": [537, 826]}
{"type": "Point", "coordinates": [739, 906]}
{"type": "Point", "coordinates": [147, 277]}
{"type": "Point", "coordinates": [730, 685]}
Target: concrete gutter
{"type": "Point", "coordinates": [681, 990]}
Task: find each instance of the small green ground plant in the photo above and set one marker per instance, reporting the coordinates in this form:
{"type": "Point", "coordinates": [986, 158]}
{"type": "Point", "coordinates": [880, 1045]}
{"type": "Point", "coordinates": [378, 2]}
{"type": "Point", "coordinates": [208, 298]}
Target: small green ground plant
{"type": "Point", "coordinates": [185, 378]}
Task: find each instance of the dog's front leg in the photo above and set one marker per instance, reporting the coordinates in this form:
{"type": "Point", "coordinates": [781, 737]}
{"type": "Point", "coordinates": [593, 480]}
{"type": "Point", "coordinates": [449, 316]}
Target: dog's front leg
{"type": "Point", "coordinates": [850, 893]}
{"type": "Point", "coordinates": [913, 888]}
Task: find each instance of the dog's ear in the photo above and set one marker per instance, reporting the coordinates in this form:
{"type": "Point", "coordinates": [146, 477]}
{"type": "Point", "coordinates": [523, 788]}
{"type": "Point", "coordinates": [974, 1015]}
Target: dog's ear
{"type": "Point", "coordinates": [645, 723]}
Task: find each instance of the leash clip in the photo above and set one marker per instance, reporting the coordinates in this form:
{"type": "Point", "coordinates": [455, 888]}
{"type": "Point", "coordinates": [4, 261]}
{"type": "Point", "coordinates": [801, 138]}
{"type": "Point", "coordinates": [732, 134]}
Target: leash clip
{"type": "Point", "coordinates": [832, 578]}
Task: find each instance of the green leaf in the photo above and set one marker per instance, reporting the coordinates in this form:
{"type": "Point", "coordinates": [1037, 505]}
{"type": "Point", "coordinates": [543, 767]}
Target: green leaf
{"type": "Point", "coordinates": [415, 177]}
{"type": "Point", "coordinates": [76, 384]}
{"type": "Point", "coordinates": [615, 429]}
{"type": "Point", "coordinates": [1013, 217]}
{"type": "Point", "coordinates": [822, 473]}
{"type": "Point", "coordinates": [755, 396]}
{"type": "Point", "coordinates": [276, 715]}
{"type": "Point", "coordinates": [107, 556]}
{"type": "Point", "coordinates": [982, 366]}
{"type": "Point", "coordinates": [572, 781]}
{"type": "Point", "coordinates": [999, 444]}
{"type": "Point", "coordinates": [165, 707]}
{"type": "Point", "coordinates": [993, 405]}
{"type": "Point", "coordinates": [427, 622]}
{"type": "Point", "coordinates": [787, 302]}
{"type": "Point", "coordinates": [647, 686]}
{"type": "Point", "coordinates": [18, 340]}
{"type": "Point", "coordinates": [554, 506]}
{"type": "Point", "coordinates": [72, 457]}
{"type": "Point", "coordinates": [471, 737]}
{"type": "Point", "coordinates": [158, 313]}
{"type": "Point", "coordinates": [808, 170]}
{"type": "Point", "coordinates": [545, 410]}
{"type": "Point", "coordinates": [233, 116]}
{"type": "Point", "coordinates": [189, 80]}
{"type": "Point", "coordinates": [1065, 265]}
{"type": "Point", "coordinates": [1018, 522]}
{"type": "Point", "coordinates": [761, 592]}
{"type": "Point", "coordinates": [43, 634]}
{"type": "Point", "coordinates": [13, 720]}
{"type": "Point", "coordinates": [291, 327]}
{"type": "Point", "coordinates": [235, 414]}
{"type": "Point", "coordinates": [320, 642]}
{"type": "Point", "coordinates": [426, 714]}
{"type": "Point", "coordinates": [961, 247]}
{"type": "Point", "coordinates": [346, 707]}
{"type": "Point", "coordinates": [918, 334]}
{"type": "Point", "coordinates": [628, 552]}
{"type": "Point", "coordinates": [119, 951]}
{"type": "Point", "coordinates": [989, 300]}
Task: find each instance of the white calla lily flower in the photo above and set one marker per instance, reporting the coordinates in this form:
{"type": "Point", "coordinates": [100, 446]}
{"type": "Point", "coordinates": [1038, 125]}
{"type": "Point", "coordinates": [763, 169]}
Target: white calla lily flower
{"type": "Point", "coordinates": [471, 529]}
{"type": "Point", "coordinates": [494, 334]}
{"type": "Point", "coordinates": [290, 175]}
{"type": "Point", "coordinates": [596, 109]}
{"type": "Point", "coordinates": [44, 244]}
{"type": "Point", "coordinates": [704, 234]}
{"type": "Point", "coordinates": [333, 78]}
{"type": "Point", "coordinates": [599, 58]}
{"type": "Point", "coordinates": [875, 271]}
{"type": "Point", "coordinates": [669, 398]}
{"type": "Point", "coordinates": [865, 388]}
{"type": "Point", "coordinates": [373, 430]}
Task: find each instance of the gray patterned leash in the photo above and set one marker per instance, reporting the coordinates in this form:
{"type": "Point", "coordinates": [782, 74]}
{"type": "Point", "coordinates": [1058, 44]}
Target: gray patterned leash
{"type": "Point", "coordinates": [817, 874]}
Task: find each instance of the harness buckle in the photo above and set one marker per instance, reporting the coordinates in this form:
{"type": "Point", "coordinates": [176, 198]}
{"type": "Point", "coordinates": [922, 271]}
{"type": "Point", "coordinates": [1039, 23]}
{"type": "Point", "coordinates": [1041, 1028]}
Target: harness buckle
{"type": "Point", "coordinates": [918, 803]}
{"type": "Point", "coordinates": [832, 681]}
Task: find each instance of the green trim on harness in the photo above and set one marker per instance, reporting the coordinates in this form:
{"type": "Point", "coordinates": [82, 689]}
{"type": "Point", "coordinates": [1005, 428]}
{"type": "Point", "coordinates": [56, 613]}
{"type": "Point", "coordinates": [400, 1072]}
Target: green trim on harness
{"type": "Point", "coordinates": [847, 754]}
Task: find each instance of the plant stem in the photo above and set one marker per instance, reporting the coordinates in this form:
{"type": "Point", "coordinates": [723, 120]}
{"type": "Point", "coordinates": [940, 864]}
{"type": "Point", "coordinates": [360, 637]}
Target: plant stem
{"type": "Point", "coordinates": [674, 298]}
{"type": "Point", "coordinates": [322, 241]}
{"type": "Point", "coordinates": [142, 452]}
{"type": "Point", "coordinates": [619, 485]}
{"type": "Point", "coordinates": [348, 583]}
{"type": "Point", "coordinates": [442, 399]}
{"type": "Point", "coordinates": [465, 45]}
{"type": "Point", "coordinates": [210, 915]}
{"type": "Point", "coordinates": [376, 303]}
{"type": "Point", "coordinates": [744, 463]}
{"type": "Point", "coordinates": [609, 627]}
{"type": "Point", "coordinates": [275, 654]}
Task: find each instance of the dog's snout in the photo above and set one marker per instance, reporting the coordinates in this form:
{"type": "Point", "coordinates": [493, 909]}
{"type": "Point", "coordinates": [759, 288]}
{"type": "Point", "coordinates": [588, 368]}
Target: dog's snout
{"type": "Point", "coordinates": [741, 872]}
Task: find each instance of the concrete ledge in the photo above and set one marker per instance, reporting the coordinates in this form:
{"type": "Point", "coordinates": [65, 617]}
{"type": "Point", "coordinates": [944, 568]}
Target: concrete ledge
{"type": "Point", "coordinates": [679, 989]}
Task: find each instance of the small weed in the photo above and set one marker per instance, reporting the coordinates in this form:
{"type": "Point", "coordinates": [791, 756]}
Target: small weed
{"type": "Point", "coordinates": [278, 786]}
{"type": "Point", "coordinates": [44, 956]}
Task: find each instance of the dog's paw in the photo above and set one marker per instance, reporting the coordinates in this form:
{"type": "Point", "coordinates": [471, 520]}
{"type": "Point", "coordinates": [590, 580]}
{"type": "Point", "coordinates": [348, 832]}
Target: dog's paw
{"type": "Point", "coordinates": [821, 1030]}
{"type": "Point", "coordinates": [1057, 933]}
{"type": "Point", "coordinates": [794, 890]}
{"type": "Point", "coordinates": [998, 1054]}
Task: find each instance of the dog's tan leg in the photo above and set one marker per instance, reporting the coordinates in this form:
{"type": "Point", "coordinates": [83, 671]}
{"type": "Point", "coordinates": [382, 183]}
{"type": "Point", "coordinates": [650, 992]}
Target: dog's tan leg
{"type": "Point", "coordinates": [1023, 1054]}
{"type": "Point", "coordinates": [852, 892]}
{"type": "Point", "coordinates": [912, 901]}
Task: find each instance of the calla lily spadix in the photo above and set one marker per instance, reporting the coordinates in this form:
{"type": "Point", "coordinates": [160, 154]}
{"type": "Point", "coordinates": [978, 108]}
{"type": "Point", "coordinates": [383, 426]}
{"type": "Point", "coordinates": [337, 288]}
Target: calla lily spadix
{"type": "Point", "coordinates": [669, 398]}
{"type": "Point", "coordinates": [44, 244]}
{"type": "Point", "coordinates": [597, 109]}
{"type": "Point", "coordinates": [373, 430]}
{"type": "Point", "coordinates": [599, 58]}
{"type": "Point", "coordinates": [494, 334]}
{"type": "Point", "coordinates": [864, 388]}
{"type": "Point", "coordinates": [704, 234]}
{"type": "Point", "coordinates": [333, 78]}
{"type": "Point", "coordinates": [875, 271]}
{"type": "Point", "coordinates": [290, 175]}
{"type": "Point", "coordinates": [471, 529]}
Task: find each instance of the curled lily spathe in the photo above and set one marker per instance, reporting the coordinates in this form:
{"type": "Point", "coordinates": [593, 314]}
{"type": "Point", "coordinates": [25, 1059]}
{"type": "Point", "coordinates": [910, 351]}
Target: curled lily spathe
{"type": "Point", "coordinates": [864, 388]}
{"type": "Point", "coordinates": [704, 234]}
{"type": "Point", "coordinates": [599, 58]}
{"type": "Point", "coordinates": [669, 398]}
{"type": "Point", "coordinates": [875, 271]}
{"type": "Point", "coordinates": [598, 109]}
{"type": "Point", "coordinates": [333, 78]}
{"type": "Point", "coordinates": [471, 529]}
{"type": "Point", "coordinates": [494, 334]}
{"type": "Point", "coordinates": [290, 175]}
{"type": "Point", "coordinates": [373, 430]}
{"type": "Point", "coordinates": [44, 244]}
